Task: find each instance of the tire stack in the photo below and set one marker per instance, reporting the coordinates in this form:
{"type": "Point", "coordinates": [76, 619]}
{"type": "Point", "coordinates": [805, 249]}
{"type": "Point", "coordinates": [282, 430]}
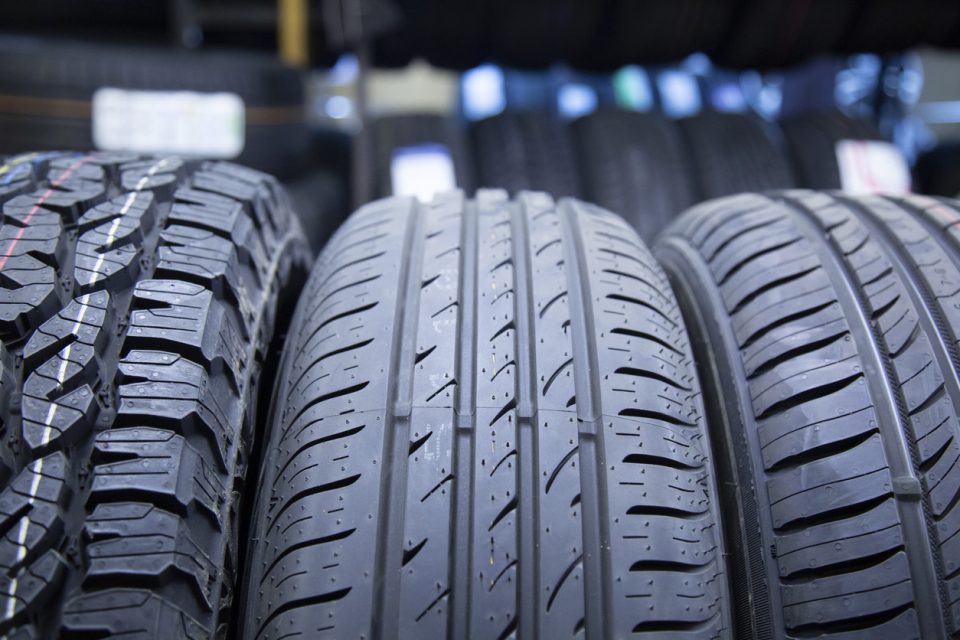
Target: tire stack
{"type": "Point", "coordinates": [604, 36]}
{"type": "Point", "coordinates": [490, 416]}
{"type": "Point", "coordinates": [644, 166]}
{"type": "Point", "coordinates": [504, 417]}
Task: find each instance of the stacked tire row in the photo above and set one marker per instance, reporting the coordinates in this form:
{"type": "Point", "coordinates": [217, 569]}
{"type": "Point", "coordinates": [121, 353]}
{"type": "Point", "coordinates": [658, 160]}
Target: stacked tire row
{"type": "Point", "coordinates": [607, 35]}
{"type": "Point", "coordinates": [492, 417]}
{"type": "Point", "coordinates": [503, 418]}
{"type": "Point", "coordinates": [644, 166]}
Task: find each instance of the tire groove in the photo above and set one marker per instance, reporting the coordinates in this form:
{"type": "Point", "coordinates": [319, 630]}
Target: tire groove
{"type": "Point", "coordinates": [393, 470]}
{"type": "Point", "coordinates": [891, 408]}
{"type": "Point", "coordinates": [595, 520]}
{"type": "Point", "coordinates": [936, 328]}
{"type": "Point", "coordinates": [528, 511]}
{"type": "Point", "coordinates": [461, 507]}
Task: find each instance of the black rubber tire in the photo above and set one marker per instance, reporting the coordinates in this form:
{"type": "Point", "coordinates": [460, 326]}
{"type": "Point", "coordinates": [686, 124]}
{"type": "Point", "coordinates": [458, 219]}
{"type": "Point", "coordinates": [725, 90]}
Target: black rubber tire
{"type": "Point", "coordinates": [733, 153]}
{"type": "Point", "coordinates": [453, 34]}
{"type": "Point", "coordinates": [635, 164]}
{"type": "Point", "coordinates": [769, 34]}
{"type": "Point", "coordinates": [321, 202]}
{"type": "Point", "coordinates": [139, 299]}
{"type": "Point", "coordinates": [395, 132]}
{"type": "Point", "coordinates": [46, 88]}
{"type": "Point", "coordinates": [938, 170]}
{"type": "Point", "coordinates": [520, 151]}
{"type": "Point", "coordinates": [825, 332]}
{"type": "Point", "coordinates": [812, 140]}
{"type": "Point", "coordinates": [538, 33]}
{"type": "Point", "coordinates": [885, 26]}
{"type": "Point", "coordinates": [487, 423]}
{"type": "Point", "coordinates": [654, 31]}
{"type": "Point", "coordinates": [100, 20]}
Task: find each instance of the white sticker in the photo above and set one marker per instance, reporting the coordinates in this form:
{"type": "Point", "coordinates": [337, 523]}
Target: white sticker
{"type": "Point", "coordinates": [422, 171]}
{"type": "Point", "coordinates": [869, 166]}
{"type": "Point", "coordinates": [180, 122]}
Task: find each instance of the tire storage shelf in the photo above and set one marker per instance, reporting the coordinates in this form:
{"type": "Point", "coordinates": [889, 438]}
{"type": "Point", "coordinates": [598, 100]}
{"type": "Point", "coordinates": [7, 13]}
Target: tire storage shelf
{"type": "Point", "coordinates": [139, 300]}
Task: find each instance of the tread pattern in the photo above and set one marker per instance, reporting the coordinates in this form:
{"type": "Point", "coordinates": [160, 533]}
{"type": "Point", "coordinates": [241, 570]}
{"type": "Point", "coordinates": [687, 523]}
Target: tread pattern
{"type": "Point", "coordinates": [843, 330]}
{"type": "Point", "coordinates": [812, 139]}
{"type": "Point", "coordinates": [444, 464]}
{"type": "Point", "coordinates": [518, 151]}
{"type": "Point", "coordinates": [733, 153]}
{"type": "Point", "coordinates": [138, 298]}
{"type": "Point", "coordinates": [635, 164]}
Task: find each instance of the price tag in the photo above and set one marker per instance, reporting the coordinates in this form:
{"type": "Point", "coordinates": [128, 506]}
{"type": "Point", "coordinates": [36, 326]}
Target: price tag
{"type": "Point", "coordinates": [181, 122]}
{"type": "Point", "coordinates": [869, 166]}
{"type": "Point", "coordinates": [422, 171]}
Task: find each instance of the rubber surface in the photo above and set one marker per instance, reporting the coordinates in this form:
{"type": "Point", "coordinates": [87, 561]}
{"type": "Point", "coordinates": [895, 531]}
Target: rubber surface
{"type": "Point", "coordinates": [538, 33]}
{"type": "Point", "coordinates": [938, 170]}
{"type": "Point", "coordinates": [654, 31]}
{"type": "Point", "coordinates": [825, 332]}
{"type": "Point", "coordinates": [487, 426]}
{"type": "Point", "coordinates": [518, 151]}
{"type": "Point", "coordinates": [892, 26]}
{"type": "Point", "coordinates": [732, 153]}
{"type": "Point", "coordinates": [812, 140]}
{"type": "Point", "coordinates": [635, 164]}
{"type": "Point", "coordinates": [47, 86]}
{"type": "Point", "coordinates": [138, 297]}
{"type": "Point", "coordinates": [777, 33]}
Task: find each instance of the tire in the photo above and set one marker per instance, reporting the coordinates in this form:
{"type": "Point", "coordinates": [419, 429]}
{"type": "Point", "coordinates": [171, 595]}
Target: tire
{"type": "Point", "coordinates": [452, 34]}
{"type": "Point", "coordinates": [538, 33]}
{"type": "Point", "coordinates": [139, 300]}
{"type": "Point", "coordinates": [885, 26]}
{"type": "Point", "coordinates": [767, 35]}
{"type": "Point", "coordinates": [657, 31]}
{"type": "Point", "coordinates": [321, 202]}
{"type": "Point", "coordinates": [812, 140]}
{"type": "Point", "coordinates": [47, 88]}
{"type": "Point", "coordinates": [519, 151]}
{"type": "Point", "coordinates": [732, 153]}
{"type": "Point", "coordinates": [487, 340]}
{"type": "Point", "coordinates": [92, 20]}
{"type": "Point", "coordinates": [635, 164]}
{"type": "Point", "coordinates": [396, 132]}
{"type": "Point", "coordinates": [938, 170]}
{"type": "Point", "coordinates": [825, 336]}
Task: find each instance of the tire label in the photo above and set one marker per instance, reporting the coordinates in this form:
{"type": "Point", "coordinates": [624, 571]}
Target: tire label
{"type": "Point", "coordinates": [870, 166]}
{"type": "Point", "coordinates": [181, 122]}
{"type": "Point", "coordinates": [422, 171]}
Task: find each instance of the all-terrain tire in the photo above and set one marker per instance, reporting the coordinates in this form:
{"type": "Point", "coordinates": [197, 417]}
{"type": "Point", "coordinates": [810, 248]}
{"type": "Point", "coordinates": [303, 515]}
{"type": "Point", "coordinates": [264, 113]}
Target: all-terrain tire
{"type": "Point", "coordinates": [812, 139]}
{"type": "Point", "coordinates": [138, 298]}
{"type": "Point", "coordinates": [487, 424]}
{"type": "Point", "coordinates": [526, 151]}
{"type": "Point", "coordinates": [732, 153]}
{"type": "Point", "coordinates": [825, 331]}
{"type": "Point", "coordinates": [635, 164]}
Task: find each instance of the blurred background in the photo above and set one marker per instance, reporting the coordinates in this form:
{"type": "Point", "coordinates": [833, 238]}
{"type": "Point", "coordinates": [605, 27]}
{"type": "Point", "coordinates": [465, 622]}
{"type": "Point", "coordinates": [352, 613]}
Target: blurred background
{"type": "Point", "coordinates": [644, 107]}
